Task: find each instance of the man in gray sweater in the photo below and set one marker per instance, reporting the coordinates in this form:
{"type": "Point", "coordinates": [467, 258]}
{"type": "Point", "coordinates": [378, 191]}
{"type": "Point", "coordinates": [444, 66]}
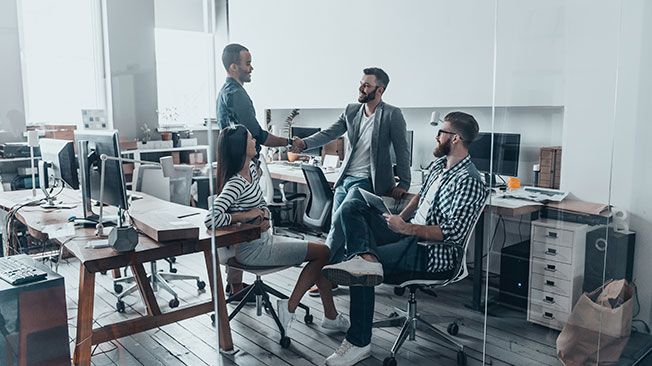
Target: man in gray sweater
{"type": "Point", "coordinates": [372, 126]}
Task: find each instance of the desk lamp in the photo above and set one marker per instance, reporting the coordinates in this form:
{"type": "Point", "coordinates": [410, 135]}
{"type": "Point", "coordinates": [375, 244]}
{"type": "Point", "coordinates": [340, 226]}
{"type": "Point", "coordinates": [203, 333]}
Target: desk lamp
{"type": "Point", "coordinates": [167, 166]}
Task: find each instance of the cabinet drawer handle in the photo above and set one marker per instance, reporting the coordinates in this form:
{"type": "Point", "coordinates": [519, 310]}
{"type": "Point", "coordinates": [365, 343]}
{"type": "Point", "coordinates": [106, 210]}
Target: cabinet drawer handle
{"type": "Point", "coordinates": [552, 234]}
{"type": "Point", "coordinates": [551, 268]}
{"type": "Point", "coordinates": [548, 315]}
{"type": "Point", "coordinates": [552, 252]}
{"type": "Point", "coordinates": [549, 300]}
{"type": "Point", "coordinates": [550, 283]}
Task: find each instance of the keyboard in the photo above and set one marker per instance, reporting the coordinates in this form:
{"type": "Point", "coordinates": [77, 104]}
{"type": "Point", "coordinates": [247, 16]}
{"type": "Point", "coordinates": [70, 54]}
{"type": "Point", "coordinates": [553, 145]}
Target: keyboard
{"type": "Point", "coordinates": [16, 272]}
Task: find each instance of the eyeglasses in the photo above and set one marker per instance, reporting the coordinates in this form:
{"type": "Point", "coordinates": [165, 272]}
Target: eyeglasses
{"type": "Point", "coordinates": [449, 133]}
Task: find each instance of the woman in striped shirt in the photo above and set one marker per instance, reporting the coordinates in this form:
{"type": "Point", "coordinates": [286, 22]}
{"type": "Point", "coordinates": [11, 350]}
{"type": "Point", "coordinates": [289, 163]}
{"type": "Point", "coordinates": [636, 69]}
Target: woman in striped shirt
{"type": "Point", "coordinates": [240, 199]}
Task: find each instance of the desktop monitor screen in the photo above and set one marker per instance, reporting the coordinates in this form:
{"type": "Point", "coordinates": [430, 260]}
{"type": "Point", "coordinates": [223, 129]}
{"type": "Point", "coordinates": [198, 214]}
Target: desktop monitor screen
{"type": "Point", "coordinates": [505, 153]}
{"type": "Point", "coordinates": [102, 142]}
{"type": "Point", "coordinates": [303, 132]}
{"type": "Point", "coordinates": [61, 163]}
{"type": "Point", "coordinates": [410, 140]}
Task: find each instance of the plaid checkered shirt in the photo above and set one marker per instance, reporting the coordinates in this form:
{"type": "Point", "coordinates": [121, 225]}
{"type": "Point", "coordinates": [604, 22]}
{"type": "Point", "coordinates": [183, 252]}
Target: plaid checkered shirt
{"type": "Point", "coordinates": [458, 201]}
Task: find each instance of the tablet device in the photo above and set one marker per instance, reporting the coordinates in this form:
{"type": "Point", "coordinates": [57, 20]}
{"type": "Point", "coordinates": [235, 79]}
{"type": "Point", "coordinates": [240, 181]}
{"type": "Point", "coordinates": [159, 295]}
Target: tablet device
{"type": "Point", "coordinates": [375, 202]}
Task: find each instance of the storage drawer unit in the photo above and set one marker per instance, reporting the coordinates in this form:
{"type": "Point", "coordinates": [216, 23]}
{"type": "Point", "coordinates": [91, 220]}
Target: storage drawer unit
{"type": "Point", "coordinates": [556, 270]}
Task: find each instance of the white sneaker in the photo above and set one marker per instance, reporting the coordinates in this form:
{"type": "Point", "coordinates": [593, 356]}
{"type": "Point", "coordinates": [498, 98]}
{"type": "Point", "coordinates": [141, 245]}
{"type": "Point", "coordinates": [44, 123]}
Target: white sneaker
{"type": "Point", "coordinates": [284, 315]}
{"type": "Point", "coordinates": [348, 354]}
{"type": "Point", "coordinates": [340, 323]}
{"type": "Point", "coordinates": [355, 272]}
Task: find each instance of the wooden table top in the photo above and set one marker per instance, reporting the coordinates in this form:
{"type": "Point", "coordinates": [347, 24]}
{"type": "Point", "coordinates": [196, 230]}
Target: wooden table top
{"type": "Point", "coordinates": [102, 259]}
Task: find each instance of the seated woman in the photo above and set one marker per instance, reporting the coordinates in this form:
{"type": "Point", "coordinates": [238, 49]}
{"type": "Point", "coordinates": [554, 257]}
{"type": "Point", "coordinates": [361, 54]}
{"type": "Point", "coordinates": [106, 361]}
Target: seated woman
{"type": "Point", "coordinates": [240, 199]}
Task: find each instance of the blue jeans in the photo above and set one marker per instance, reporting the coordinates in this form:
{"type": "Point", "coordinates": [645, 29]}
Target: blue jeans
{"type": "Point", "coordinates": [366, 231]}
{"type": "Point", "coordinates": [335, 240]}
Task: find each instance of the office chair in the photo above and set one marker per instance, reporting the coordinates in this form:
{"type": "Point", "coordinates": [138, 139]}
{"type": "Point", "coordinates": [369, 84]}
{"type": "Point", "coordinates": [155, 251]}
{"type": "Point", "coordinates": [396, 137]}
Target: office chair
{"type": "Point", "coordinates": [410, 319]}
{"type": "Point", "coordinates": [260, 291]}
{"type": "Point", "coordinates": [149, 179]}
{"type": "Point", "coordinates": [277, 199]}
{"type": "Point", "coordinates": [317, 215]}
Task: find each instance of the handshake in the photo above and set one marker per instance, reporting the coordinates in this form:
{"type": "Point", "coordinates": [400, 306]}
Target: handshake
{"type": "Point", "coordinates": [297, 145]}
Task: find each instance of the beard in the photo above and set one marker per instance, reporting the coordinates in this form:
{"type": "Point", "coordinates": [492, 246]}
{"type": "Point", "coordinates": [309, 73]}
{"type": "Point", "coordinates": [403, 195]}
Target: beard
{"type": "Point", "coordinates": [245, 77]}
{"type": "Point", "coordinates": [442, 149]}
{"type": "Point", "coordinates": [368, 97]}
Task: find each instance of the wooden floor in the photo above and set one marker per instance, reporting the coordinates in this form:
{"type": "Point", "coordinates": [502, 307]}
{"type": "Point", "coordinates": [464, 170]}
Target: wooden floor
{"type": "Point", "coordinates": [510, 339]}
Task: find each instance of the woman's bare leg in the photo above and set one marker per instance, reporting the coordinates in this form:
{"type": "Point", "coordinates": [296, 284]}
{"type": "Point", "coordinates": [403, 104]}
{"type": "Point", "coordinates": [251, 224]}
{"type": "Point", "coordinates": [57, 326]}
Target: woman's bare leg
{"type": "Point", "coordinates": [317, 257]}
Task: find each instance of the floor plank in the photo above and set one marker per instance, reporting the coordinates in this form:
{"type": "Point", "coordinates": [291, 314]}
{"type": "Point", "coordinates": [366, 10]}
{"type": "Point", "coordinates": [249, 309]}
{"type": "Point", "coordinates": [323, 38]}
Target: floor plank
{"type": "Point", "coordinates": [510, 339]}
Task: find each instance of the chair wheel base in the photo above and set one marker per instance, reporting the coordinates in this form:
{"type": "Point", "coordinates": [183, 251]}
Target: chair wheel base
{"type": "Point", "coordinates": [174, 303]}
{"type": "Point", "coordinates": [307, 319]}
{"type": "Point", "coordinates": [453, 328]}
{"type": "Point", "coordinates": [117, 288]}
{"type": "Point", "coordinates": [201, 284]}
{"type": "Point", "coordinates": [120, 306]}
{"type": "Point", "coordinates": [389, 361]}
{"type": "Point", "coordinates": [285, 342]}
{"type": "Point", "coordinates": [461, 358]}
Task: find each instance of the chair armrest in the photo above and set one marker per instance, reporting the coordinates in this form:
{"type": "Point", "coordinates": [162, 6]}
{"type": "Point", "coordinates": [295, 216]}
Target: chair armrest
{"type": "Point", "coordinates": [432, 243]}
{"type": "Point", "coordinates": [281, 187]}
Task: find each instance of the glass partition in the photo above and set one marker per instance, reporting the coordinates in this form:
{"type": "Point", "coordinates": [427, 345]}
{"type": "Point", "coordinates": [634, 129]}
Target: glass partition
{"type": "Point", "coordinates": [567, 83]}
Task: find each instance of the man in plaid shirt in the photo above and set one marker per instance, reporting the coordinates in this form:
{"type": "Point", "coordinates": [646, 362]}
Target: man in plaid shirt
{"type": "Point", "coordinates": [448, 203]}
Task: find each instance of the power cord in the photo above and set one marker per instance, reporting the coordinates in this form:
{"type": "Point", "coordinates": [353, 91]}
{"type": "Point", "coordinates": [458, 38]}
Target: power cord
{"type": "Point", "coordinates": [638, 310]}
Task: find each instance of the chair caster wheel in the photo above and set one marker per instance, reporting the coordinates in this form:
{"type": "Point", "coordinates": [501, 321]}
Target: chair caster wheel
{"type": "Point", "coordinates": [389, 361]}
{"type": "Point", "coordinates": [174, 303]}
{"type": "Point", "coordinates": [307, 319]}
{"type": "Point", "coordinates": [173, 259]}
{"type": "Point", "coordinates": [285, 342]}
{"type": "Point", "coordinates": [399, 291]}
{"type": "Point", "coordinates": [393, 314]}
{"type": "Point", "coordinates": [461, 358]}
{"type": "Point", "coordinates": [120, 306]}
{"type": "Point", "coordinates": [201, 284]}
{"type": "Point", "coordinates": [453, 328]}
{"type": "Point", "coordinates": [213, 319]}
{"type": "Point", "coordinates": [117, 288]}
{"type": "Point", "coordinates": [173, 270]}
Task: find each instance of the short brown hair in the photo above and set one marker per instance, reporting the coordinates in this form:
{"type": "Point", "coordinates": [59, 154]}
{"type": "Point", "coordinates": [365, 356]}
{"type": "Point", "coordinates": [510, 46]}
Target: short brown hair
{"type": "Point", "coordinates": [465, 125]}
{"type": "Point", "coordinates": [381, 76]}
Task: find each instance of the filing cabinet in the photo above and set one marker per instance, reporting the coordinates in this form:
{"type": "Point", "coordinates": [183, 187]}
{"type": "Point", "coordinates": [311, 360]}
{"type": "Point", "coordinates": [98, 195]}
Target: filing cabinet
{"type": "Point", "coordinates": [557, 251]}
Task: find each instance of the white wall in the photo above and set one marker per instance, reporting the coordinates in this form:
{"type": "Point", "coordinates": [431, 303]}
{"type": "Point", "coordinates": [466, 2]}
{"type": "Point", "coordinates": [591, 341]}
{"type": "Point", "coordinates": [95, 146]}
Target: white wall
{"type": "Point", "coordinates": [12, 108]}
{"type": "Point", "coordinates": [436, 52]}
{"type": "Point", "coordinates": [132, 65]}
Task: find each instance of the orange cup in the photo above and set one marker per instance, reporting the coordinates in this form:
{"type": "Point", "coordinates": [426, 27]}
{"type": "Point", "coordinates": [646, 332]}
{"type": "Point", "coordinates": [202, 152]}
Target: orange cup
{"type": "Point", "coordinates": [513, 183]}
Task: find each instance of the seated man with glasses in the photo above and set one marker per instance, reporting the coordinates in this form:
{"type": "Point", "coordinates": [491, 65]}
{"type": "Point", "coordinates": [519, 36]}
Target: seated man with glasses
{"type": "Point", "coordinates": [449, 201]}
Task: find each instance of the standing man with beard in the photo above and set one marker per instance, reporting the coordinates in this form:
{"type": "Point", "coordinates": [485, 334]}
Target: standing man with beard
{"type": "Point", "coordinates": [450, 199]}
{"type": "Point", "coordinates": [234, 106]}
{"type": "Point", "coordinates": [371, 126]}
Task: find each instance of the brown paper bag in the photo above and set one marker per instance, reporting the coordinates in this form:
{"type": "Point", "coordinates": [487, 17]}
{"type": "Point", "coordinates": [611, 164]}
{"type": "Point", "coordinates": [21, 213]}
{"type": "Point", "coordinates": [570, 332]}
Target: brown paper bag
{"type": "Point", "coordinates": [578, 341]}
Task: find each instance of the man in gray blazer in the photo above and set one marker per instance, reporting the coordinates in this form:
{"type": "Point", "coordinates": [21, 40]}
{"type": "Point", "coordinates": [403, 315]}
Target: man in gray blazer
{"type": "Point", "coordinates": [371, 126]}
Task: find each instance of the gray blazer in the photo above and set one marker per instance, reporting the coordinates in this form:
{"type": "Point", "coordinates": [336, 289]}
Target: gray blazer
{"type": "Point", "coordinates": [389, 127]}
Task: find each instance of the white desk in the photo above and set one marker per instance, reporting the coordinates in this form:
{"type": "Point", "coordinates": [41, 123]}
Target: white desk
{"type": "Point", "coordinates": [295, 174]}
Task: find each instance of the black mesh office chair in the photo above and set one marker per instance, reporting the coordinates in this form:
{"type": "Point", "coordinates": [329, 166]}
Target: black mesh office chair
{"type": "Point", "coordinates": [318, 210]}
{"type": "Point", "coordinates": [409, 319]}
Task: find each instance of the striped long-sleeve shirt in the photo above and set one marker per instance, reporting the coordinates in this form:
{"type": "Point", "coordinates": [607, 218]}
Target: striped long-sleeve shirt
{"type": "Point", "coordinates": [237, 196]}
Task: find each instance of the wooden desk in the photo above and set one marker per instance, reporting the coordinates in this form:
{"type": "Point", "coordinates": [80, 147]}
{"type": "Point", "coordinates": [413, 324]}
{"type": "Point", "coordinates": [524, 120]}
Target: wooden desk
{"type": "Point", "coordinates": [100, 260]}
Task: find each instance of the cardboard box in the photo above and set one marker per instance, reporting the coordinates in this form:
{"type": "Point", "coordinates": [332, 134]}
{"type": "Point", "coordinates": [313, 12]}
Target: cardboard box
{"type": "Point", "coordinates": [176, 157]}
{"type": "Point", "coordinates": [126, 144]}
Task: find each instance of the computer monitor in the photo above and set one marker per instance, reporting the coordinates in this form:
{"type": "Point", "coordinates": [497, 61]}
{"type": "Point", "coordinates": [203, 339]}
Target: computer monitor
{"type": "Point", "coordinates": [410, 141]}
{"type": "Point", "coordinates": [506, 148]}
{"type": "Point", "coordinates": [58, 162]}
{"type": "Point", "coordinates": [303, 132]}
{"type": "Point", "coordinates": [91, 144]}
